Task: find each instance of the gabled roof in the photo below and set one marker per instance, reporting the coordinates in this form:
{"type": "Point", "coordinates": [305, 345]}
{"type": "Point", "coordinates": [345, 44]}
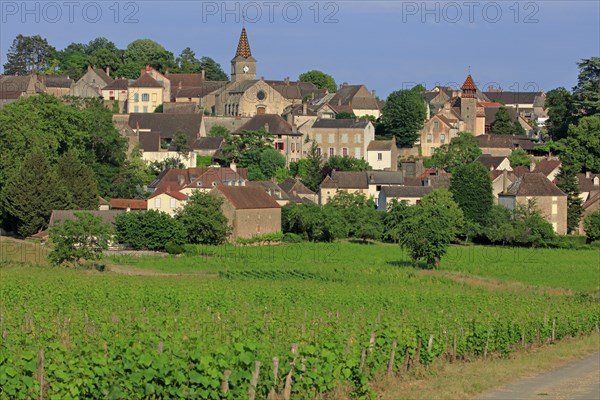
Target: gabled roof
{"type": "Point", "coordinates": [174, 178]}
{"type": "Point", "coordinates": [514, 97]}
{"type": "Point", "coordinates": [117, 84]}
{"type": "Point", "coordinates": [146, 81]}
{"type": "Point", "coordinates": [533, 184]}
{"type": "Point", "coordinates": [271, 188]}
{"type": "Point", "coordinates": [247, 197]}
{"type": "Point", "coordinates": [133, 204]}
{"type": "Point", "coordinates": [469, 84]}
{"type": "Point", "coordinates": [295, 90]}
{"type": "Point", "coordinates": [346, 99]}
{"type": "Point", "coordinates": [167, 124]}
{"type": "Point", "coordinates": [149, 141]}
{"type": "Point", "coordinates": [185, 80]}
{"type": "Point", "coordinates": [592, 200]}
{"type": "Point", "coordinates": [298, 109]}
{"type": "Point", "coordinates": [173, 193]}
{"type": "Point", "coordinates": [56, 81]}
{"type": "Point", "coordinates": [520, 170]}
{"type": "Point", "coordinates": [12, 86]}
{"type": "Point", "coordinates": [587, 184]}
{"type": "Point", "coordinates": [243, 49]}
{"type": "Point", "coordinates": [208, 143]}
{"type": "Point", "coordinates": [329, 123]}
{"type": "Point", "coordinates": [273, 123]}
{"type": "Point", "coordinates": [505, 142]}
{"type": "Point", "coordinates": [406, 191]}
{"type": "Point", "coordinates": [381, 145]}
{"type": "Point", "coordinates": [107, 216]}
{"type": "Point", "coordinates": [546, 166]}
{"type": "Point", "coordinates": [491, 162]}
{"type": "Point", "coordinates": [291, 185]}
{"type": "Point", "coordinates": [346, 180]}
{"type": "Point", "coordinates": [197, 91]}
{"type": "Point", "coordinates": [103, 75]}
{"type": "Point", "coordinates": [385, 177]}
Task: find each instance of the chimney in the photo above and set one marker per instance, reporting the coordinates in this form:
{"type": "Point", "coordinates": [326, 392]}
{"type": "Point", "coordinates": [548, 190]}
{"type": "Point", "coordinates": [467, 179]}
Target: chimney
{"type": "Point", "coordinates": [373, 93]}
{"type": "Point", "coordinates": [339, 102]}
{"type": "Point", "coordinates": [588, 175]}
{"type": "Point", "coordinates": [89, 67]}
{"type": "Point", "coordinates": [180, 180]}
{"type": "Point", "coordinates": [504, 181]}
{"type": "Point", "coordinates": [287, 81]}
{"type": "Point", "coordinates": [304, 109]}
{"type": "Point", "coordinates": [531, 167]}
{"type": "Point", "coordinates": [267, 126]}
{"type": "Point", "coordinates": [233, 166]}
{"type": "Point", "coordinates": [108, 71]}
{"type": "Point", "coordinates": [203, 74]}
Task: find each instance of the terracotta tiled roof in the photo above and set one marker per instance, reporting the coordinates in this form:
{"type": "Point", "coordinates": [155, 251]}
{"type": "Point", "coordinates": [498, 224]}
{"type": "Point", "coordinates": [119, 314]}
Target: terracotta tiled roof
{"type": "Point", "coordinates": [243, 49]}
{"type": "Point", "coordinates": [271, 188]}
{"type": "Point", "coordinates": [534, 184]}
{"type": "Point", "coordinates": [290, 185]}
{"type": "Point", "coordinates": [469, 84]}
{"type": "Point", "coordinates": [174, 178]}
{"type": "Point", "coordinates": [247, 197]}
{"type": "Point", "coordinates": [208, 143]}
{"type": "Point", "coordinates": [546, 166]}
{"type": "Point", "coordinates": [173, 193]}
{"type": "Point", "coordinates": [117, 84]}
{"type": "Point", "coordinates": [167, 124]}
{"type": "Point", "coordinates": [520, 170]}
{"type": "Point", "coordinates": [145, 81]}
{"type": "Point", "coordinates": [133, 204]}
{"type": "Point", "coordinates": [149, 141]}
{"type": "Point", "coordinates": [185, 80]}
{"type": "Point", "coordinates": [587, 184]}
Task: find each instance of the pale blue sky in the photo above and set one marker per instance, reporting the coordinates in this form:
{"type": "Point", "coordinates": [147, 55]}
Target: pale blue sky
{"type": "Point", "coordinates": [383, 44]}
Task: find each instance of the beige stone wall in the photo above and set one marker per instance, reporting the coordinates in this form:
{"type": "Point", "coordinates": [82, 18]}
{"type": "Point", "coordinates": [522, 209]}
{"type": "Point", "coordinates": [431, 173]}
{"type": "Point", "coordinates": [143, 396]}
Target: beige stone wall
{"type": "Point", "coordinates": [292, 147]}
{"type": "Point", "coordinates": [553, 208]}
{"type": "Point", "coordinates": [159, 156]}
{"type": "Point", "coordinates": [248, 223]}
{"type": "Point", "coordinates": [231, 102]}
{"type": "Point", "coordinates": [590, 210]}
{"type": "Point", "coordinates": [58, 92]}
{"type": "Point", "coordinates": [496, 151]}
{"type": "Point", "coordinates": [165, 203]}
{"type": "Point", "coordinates": [155, 99]}
{"type": "Point", "coordinates": [431, 135]}
{"type": "Point", "coordinates": [354, 140]}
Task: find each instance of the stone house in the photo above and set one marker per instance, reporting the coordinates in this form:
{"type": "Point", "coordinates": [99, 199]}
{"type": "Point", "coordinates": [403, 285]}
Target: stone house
{"type": "Point", "coordinates": [249, 210]}
{"type": "Point", "coordinates": [355, 99]}
{"type": "Point", "coordinates": [549, 167]}
{"type": "Point", "coordinates": [145, 94]}
{"type": "Point", "coordinates": [550, 200]}
{"type": "Point", "coordinates": [295, 188]}
{"type": "Point", "coordinates": [91, 83]}
{"type": "Point", "coordinates": [495, 163]}
{"type": "Point", "coordinates": [342, 137]}
{"type": "Point", "coordinates": [13, 87]}
{"type": "Point", "coordinates": [439, 130]}
{"type": "Point", "coordinates": [347, 181]}
{"type": "Point", "coordinates": [56, 85]}
{"type": "Point", "coordinates": [167, 201]}
{"type": "Point", "coordinates": [589, 185]}
{"type": "Point", "coordinates": [117, 91]}
{"type": "Point", "coordinates": [382, 155]}
{"type": "Point", "coordinates": [411, 194]}
{"type": "Point", "coordinates": [378, 179]}
{"type": "Point", "coordinates": [589, 207]}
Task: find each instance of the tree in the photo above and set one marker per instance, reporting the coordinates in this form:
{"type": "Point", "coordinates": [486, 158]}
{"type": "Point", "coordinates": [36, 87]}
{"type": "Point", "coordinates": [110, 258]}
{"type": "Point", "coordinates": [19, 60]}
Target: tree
{"type": "Point", "coordinates": [79, 181]}
{"type": "Point", "coordinates": [530, 227]}
{"type": "Point", "coordinates": [471, 188]}
{"type": "Point", "coordinates": [586, 94]}
{"type": "Point", "coordinates": [345, 163]}
{"type": "Point", "coordinates": [314, 162]}
{"type": "Point", "coordinates": [345, 115]}
{"type": "Point", "coordinates": [312, 222]}
{"type": "Point", "coordinates": [212, 70]}
{"type": "Point", "coordinates": [397, 212]}
{"type": "Point", "coordinates": [503, 124]}
{"type": "Point", "coordinates": [403, 115]}
{"type": "Point", "coordinates": [320, 80]}
{"type": "Point", "coordinates": [566, 180]}
{"type": "Point", "coordinates": [130, 69]}
{"type": "Point", "coordinates": [150, 230]}
{"type": "Point", "coordinates": [435, 222]}
{"type": "Point", "coordinates": [180, 144]}
{"type": "Point", "coordinates": [561, 112]}
{"type": "Point", "coordinates": [218, 131]}
{"type": "Point", "coordinates": [31, 194]}
{"type": "Point", "coordinates": [247, 147]}
{"type": "Point", "coordinates": [73, 60]}
{"type": "Point", "coordinates": [582, 144]}
{"type": "Point", "coordinates": [187, 62]}
{"type": "Point", "coordinates": [203, 219]}
{"type": "Point", "coordinates": [148, 52]}
{"type": "Point", "coordinates": [592, 227]}
{"type": "Point", "coordinates": [270, 161]}
{"type": "Point", "coordinates": [81, 239]}
{"type": "Point", "coordinates": [105, 58]}
{"type": "Point", "coordinates": [463, 149]}
{"type": "Point", "coordinates": [359, 213]}
{"type": "Point", "coordinates": [519, 157]}
{"type": "Point", "coordinates": [29, 55]}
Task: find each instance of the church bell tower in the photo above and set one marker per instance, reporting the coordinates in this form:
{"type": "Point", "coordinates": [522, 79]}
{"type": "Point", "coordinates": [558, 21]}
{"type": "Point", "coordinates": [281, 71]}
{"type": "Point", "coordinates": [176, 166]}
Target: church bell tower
{"type": "Point", "coordinates": [243, 65]}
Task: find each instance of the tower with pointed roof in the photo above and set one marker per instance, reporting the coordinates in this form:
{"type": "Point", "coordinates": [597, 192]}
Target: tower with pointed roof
{"type": "Point", "coordinates": [243, 65]}
{"type": "Point", "coordinates": [468, 104]}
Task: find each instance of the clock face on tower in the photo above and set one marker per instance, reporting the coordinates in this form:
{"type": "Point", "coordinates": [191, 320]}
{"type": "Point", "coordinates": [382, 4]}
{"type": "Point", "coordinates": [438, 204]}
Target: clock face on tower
{"type": "Point", "coordinates": [246, 69]}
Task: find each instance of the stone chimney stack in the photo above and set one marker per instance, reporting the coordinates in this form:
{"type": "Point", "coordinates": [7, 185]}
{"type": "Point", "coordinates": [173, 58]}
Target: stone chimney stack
{"type": "Point", "coordinates": [233, 166]}
{"type": "Point", "coordinates": [504, 181]}
{"type": "Point", "coordinates": [588, 175]}
{"type": "Point", "coordinates": [531, 167]}
{"type": "Point", "coordinates": [108, 71]}
{"type": "Point", "coordinates": [304, 109]}
{"type": "Point", "coordinates": [373, 93]}
{"type": "Point", "coordinates": [203, 74]}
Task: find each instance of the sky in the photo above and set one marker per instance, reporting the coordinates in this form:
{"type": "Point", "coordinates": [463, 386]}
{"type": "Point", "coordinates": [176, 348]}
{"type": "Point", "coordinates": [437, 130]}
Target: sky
{"type": "Point", "coordinates": [386, 45]}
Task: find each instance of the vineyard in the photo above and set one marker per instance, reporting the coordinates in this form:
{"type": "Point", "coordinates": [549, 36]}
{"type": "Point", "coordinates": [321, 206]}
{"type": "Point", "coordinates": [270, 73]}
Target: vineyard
{"type": "Point", "coordinates": [281, 322]}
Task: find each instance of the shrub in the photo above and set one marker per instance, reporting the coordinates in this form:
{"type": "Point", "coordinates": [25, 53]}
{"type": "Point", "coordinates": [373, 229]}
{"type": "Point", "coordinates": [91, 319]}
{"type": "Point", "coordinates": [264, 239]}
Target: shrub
{"type": "Point", "coordinates": [203, 219]}
{"type": "Point", "coordinates": [292, 238]}
{"type": "Point", "coordinates": [592, 227]}
{"type": "Point", "coordinates": [150, 230]}
{"type": "Point", "coordinates": [174, 248]}
{"type": "Point", "coordinates": [266, 238]}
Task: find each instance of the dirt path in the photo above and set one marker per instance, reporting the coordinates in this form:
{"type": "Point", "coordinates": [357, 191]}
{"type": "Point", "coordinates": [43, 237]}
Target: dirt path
{"type": "Point", "coordinates": [578, 380]}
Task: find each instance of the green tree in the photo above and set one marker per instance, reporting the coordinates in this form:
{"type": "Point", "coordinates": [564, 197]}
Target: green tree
{"type": "Point", "coordinates": [314, 163]}
{"type": "Point", "coordinates": [582, 144]}
{"type": "Point", "coordinates": [359, 213]}
{"type": "Point", "coordinates": [503, 124]}
{"type": "Point", "coordinates": [81, 239]}
{"type": "Point", "coordinates": [180, 144]}
{"type": "Point", "coordinates": [79, 181]}
{"type": "Point", "coordinates": [519, 157]}
{"type": "Point", "coordinates": [586, 94]}
{"type": "Point", "coordinates": [247, 147]}
{"type": "Point", "coordinates": [31, 193]}
{"type": "Point", "coordinates": [403, 115]}
{"type": "Point", "coordinates": [146, 51]}
{"type": "Point", "coordinates": [150, 230]}
{"type": "Point", "coordinates": [345, 115]}
{"type": "Point", "coordinates": [203, 219]}
{"type": "Point", "coordinates": [561, 112]}
{"type": "Point", "coordinates": [218, 131]}
{"type": "Point", "coordinates": [345, 163]}
{"type": "Point", "coordinates": [187, 62]}
{"type": "Point", "coordinates": [212, 70]}
{"type": "Point", "coordinates": [592, 227]}
{"type": "Point", "coordinates": [312, 222]}
{"type": "Point", "coordinates": [435, 222]}
{"type": "Point", "coordinates": [530, 227]}
{"type": "Point", "coordinates": [566, 180]}
{"type": "Point", "coordinates": [320, 80]}
{"type": "Point", "coordinates": [73, 60]}
{"type": "Point", "coordinates": [29, 55]}
{"type": "Point", "coordinates": [463, 149]}
{"type": "Point", "coordinates": [271, 160]}
{"type": "Point", "coordinates": [471, 188]}
{"type": "Point", "coordinates": [130, 69]}
{"type": "Point", "coordinates": [397, 212]}
{"type": "Point", "coordinates": [105, 58]}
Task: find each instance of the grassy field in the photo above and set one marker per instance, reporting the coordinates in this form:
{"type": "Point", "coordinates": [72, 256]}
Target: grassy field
{"type": "Point", "coordinates": [224, 307]}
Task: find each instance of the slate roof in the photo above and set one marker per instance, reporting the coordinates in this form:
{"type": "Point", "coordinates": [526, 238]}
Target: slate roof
{"type": "Point", "coordinates": [186, 80]}
{"type": "Point", "coordinates": [12, 86]}
{"type": "Point", "coordinates": [167, 124]}
{"type": "Point", "coordinates": [208, 143]}
{"type": "Point", "coordinates": [491, 162]}
{"type": "Point", "coordinates": [533, 184]}
{"type": "Point", "coordinates": [505, 142]}
{"type": "Point", "coordinates": [271, 188]}
{"type": "Point", "coordinates": [385, 177]}
{"type": "Point", "coordinates": [247, 197]}
{"type": "Point", "coordinates": [437, 181]}
{"type": "Point", "coordinates": [346, 180]}
{"type": "Point", "coordinates": [103, 75]}
{"type": "Point", "coordinates": [290, 185]}
{"type": "Point", "coordinates": [276, 125]}
{"type": "Point", "coordinates": [406, 191]}
{"type": "Point", "coordinates": [117, 84]}
{"type": "Point", "coordinates": [146, 81]}
{"type": "Point", "coordinates": [329, 123]}
{"type": "Point", "coordinates": [107, 216]}
{"type": "Point", "coordinates": [381, 145]}
{"type": "Point", "coordinates": [133, 204]}
{"type": "Point", "coordinates": [149, 141]}
{"type": "Point", "coordinates": [56, 81]}
{"type": "Point", "coordinates": [514, 97]}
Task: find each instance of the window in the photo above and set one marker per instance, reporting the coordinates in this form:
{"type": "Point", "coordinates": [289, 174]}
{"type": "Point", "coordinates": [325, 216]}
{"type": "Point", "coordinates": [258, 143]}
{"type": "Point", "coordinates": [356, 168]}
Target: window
{"type": "Point", "coordinates": [331, 152]}
{"type": "Point", "coordinates": [318, 137]}
{"type": "Point", "coordinates": [378, 188]}
{"type": "Point", "coordinates": [145, 97]}
{"type": "Point", "coordinates": [279, 146]}
{"type": "Point", "coordinates": [145, 109]}
{"type": "Point", "coordinates": [345, 151]}
{"type": "Point", "coordinates": [136, 97]}
{"type": "Point", "coordinates": [136, 109]}
{"type": "Point", "coordinates": [554, 209]}
{"type": "Point", "coordinates": [319, 151]}
{"type": "Point", "coordinates": [357, 153]}
{"type": "Point", "coordinates": [173, 203]}
{"type": "Point", "coordinates": [435, 124]}
{"type": "Point", "coordinates": [358, 138]}
{"type": "Point", "coordinates": [344, 138]}
{"type": "Point", "coordinates": [429, 138]}
{"type": "Point", "coordinates": [157, 203]}
{"type": "Point", "coordinates": [331, 137]}
{"type": "Point", "coordinates": [379, 156]}
{"type": "Point", "coordinates": [442, 137]}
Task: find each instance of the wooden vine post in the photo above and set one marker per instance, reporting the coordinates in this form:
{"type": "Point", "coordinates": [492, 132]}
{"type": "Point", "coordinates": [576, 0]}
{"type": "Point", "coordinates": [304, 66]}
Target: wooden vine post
{"type": "Point", "coordinates": [225, 382]}
{"type": "Point", "coordinates": [273, 392]}
{"type": "Point", "coordinates": [287, 390]}
{"type": "Point", "coordinates": [254, 381]}
{"type": "Point", "coordinates": [40, 373]}
{"type": "Point", "coordinates": [390, 367]}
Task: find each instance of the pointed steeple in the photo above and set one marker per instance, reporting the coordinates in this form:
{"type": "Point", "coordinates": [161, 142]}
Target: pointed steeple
{"type": "Point", "coordinates": [243, 49]}
{"type": "Point", "coordinates": [468, 88]}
